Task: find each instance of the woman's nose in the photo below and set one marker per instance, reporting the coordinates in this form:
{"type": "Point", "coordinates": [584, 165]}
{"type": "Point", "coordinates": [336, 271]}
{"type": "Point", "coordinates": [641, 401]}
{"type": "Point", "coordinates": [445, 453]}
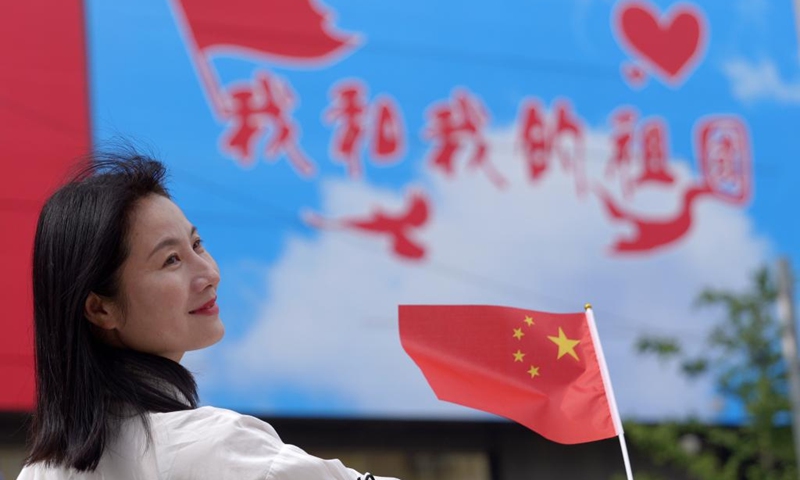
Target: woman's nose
{"type": "Point", "coordinates": [207, 274]}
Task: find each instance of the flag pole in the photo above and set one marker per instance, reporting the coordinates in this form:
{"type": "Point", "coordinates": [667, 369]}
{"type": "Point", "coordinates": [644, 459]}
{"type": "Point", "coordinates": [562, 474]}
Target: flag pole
{"type": "Point", "coordinates": [210, 82]}
{"type": "Point", "coordinates": [612, 401]}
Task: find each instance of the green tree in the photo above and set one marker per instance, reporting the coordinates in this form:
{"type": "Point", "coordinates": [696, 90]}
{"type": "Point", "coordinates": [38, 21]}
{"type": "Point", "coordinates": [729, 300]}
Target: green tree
{"type": "Point", "coordinates": [744, 360]}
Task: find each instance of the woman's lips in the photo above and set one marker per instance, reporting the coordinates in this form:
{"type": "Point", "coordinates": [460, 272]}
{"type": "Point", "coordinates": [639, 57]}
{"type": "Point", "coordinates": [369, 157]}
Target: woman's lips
{"type": "Point", "coordinates": [210, 308]}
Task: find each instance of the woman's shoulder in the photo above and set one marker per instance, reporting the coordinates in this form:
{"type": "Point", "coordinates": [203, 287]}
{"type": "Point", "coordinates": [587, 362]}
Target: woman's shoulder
{"type": "Point", "coordinates": [206, 442]}
{"type": "Point", "coordinates": [240, 446]}
{"type": "Point", "coordinates": [207, 428]}
{"type": "Point", "coordinates": [212, 419]}
{"type": "Point", "coordinates": [210, 442]}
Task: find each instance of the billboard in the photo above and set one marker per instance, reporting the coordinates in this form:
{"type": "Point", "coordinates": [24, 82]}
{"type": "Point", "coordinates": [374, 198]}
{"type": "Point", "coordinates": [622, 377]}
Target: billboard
{"type": "Point", "coordinates": [341, 158]}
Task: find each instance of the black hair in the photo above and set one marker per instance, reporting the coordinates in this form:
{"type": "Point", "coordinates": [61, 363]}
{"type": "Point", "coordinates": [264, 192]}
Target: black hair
{"type": "Point", "coordinates": [85, 387]}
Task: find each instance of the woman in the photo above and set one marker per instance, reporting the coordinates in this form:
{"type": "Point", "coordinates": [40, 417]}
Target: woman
{"type": "Point", "coordinates": [123, 287]}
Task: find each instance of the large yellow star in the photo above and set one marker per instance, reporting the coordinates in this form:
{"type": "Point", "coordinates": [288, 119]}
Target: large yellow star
{"type": "Point", "coordinates": [518, 333]}
{"type": "Point", "coordinates": [529, 320]}
{"type": "Point", "coordinates": [565, 345]}
{"type": "Point", "coordinates": [518, 355]}
{"type": "Point", "coordinates": [533, 371]}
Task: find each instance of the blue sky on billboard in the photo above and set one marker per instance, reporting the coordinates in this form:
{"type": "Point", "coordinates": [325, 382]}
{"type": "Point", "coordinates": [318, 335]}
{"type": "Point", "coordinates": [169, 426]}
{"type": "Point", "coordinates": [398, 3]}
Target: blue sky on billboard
{"type": "Point", "coordinates": [593, 142]}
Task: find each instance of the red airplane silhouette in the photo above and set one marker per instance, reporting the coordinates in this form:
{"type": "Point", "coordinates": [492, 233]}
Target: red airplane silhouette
{"type": "Point", "coordinates": [398, 226]}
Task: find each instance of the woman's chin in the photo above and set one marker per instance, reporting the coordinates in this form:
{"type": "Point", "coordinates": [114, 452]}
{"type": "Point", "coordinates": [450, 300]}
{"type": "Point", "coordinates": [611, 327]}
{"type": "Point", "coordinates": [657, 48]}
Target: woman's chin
{"type": "Point", "coordinates": [220, 332]}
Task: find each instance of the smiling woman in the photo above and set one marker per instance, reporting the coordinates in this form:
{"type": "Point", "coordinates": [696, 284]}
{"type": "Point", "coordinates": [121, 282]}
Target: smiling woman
{"type": "Point", "coordinates": [123, 287]}
{"type": "Point", "coordinates": [168, 285]}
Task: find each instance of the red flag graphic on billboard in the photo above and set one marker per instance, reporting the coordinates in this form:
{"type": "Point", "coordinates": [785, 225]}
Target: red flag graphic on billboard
{"type": "Point", "coordinates": [287, 32]}
{"type": "Point", "coordinates": [282, 30]}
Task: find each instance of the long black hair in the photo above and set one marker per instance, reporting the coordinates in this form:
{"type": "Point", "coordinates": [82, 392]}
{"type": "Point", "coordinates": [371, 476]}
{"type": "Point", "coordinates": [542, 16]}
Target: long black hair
{"type": "Point", "coordinates": [84, 387]}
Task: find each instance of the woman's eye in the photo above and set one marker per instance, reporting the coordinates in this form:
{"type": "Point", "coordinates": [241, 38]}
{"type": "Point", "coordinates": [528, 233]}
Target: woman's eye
{"type": "Point", "coordinates": [171, 260]}
{"type": "Point", "coordinates": [198, 244]}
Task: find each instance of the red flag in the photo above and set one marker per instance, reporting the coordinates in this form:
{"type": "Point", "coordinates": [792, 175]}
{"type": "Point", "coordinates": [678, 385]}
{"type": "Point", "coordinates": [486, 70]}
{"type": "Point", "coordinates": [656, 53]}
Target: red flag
{"type": "Point", "coordinates": [293, 30]}
{"type": "Point", "coordinates": [290, 32]}
{"type": "Point", "coordinates": [538, 369]}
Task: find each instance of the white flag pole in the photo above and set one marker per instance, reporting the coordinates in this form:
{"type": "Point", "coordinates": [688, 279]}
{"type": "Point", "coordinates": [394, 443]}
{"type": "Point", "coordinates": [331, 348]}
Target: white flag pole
{"type": "Point", "coordinates": [612, 401]}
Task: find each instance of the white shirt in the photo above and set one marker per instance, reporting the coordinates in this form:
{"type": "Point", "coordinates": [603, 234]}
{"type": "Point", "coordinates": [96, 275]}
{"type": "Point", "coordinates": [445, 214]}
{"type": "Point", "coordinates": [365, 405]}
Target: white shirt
{"type": "Point", "coordinates": [205, 443]}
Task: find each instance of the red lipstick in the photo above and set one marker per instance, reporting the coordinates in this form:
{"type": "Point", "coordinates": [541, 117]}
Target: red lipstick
{"type": "Point", "coordinates": [209, 308]}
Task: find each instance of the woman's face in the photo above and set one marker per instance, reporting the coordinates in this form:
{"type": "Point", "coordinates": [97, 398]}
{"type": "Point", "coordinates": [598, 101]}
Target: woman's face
{"type": "Point", "coordinates": [168, 284]}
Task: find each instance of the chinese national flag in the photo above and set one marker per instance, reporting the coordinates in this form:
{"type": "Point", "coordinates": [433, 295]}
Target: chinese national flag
{"type": "Point", "coordinates": [538, 369]}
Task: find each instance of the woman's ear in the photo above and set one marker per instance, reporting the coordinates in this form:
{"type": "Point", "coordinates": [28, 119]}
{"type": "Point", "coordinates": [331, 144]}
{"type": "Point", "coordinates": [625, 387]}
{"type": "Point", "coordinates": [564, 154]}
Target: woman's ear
{"type": "Point", "coordinates": [101, 312]}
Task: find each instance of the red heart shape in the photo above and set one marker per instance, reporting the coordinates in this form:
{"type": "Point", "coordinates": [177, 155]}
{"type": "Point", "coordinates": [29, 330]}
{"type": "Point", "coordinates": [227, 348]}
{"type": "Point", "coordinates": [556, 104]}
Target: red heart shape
{"type": "Point", "coordinates": [670, 45]}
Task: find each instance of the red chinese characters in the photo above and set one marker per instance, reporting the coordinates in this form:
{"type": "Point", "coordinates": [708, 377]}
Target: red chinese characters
{"type": "Point", "coordinates": [256, 108]}
{"type": "Point", "coordinates": [457, 129]}
{"type": "Point", "coordinates": [655, 153]}
{"type": "Point", "coordinates": [356, 121]}
{"type": "Point", "coordinates": [561, 136]}
{"type": "Point", "coordinates": [723, 150]}
{"type": "Point", "coordinates": [639, 155]}
{"type": "Point", "coordinates": [624, 123]}
{"type": "Point", "coordinates": [640, 158]}
{"type": "Point", "coordinates": [454, 126]}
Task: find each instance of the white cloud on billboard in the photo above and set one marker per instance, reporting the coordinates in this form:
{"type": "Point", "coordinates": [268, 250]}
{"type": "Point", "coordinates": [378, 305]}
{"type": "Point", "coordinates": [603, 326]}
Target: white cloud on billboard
{"type": "Point", "coordinates": [330, 324]}
{"type": "Point", "coordinates": [761, 81]}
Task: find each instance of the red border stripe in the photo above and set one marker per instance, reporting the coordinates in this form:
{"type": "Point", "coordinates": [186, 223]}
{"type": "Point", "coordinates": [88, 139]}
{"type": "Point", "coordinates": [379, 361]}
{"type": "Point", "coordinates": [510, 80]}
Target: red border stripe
{"type": "Point", "coordinates": [44, 126]}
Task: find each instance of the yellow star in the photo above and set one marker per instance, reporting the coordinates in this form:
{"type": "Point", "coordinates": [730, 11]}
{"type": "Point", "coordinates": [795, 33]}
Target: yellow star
{"type": "Point", "coordinates": [529, 321]}
{"type": "Point", "coordinates": [518, 333]}
{"type": "Point", "coordinates": [565, 345]}
{"type": "Point", "coordinates": [518, 356]}
{"type": "Point", "coordinates": [533, 371]}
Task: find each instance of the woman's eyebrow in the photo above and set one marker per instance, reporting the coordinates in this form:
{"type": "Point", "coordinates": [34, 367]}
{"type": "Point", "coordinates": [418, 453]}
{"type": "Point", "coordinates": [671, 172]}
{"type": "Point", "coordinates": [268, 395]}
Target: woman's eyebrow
{"type": "Point", "coordinates": [170, 242]}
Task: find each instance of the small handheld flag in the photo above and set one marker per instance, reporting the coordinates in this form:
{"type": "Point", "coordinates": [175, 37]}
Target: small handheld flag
{"type": "Point", "coordinates": [538, 369]}
{"type": "Point", "coordinates": [543, 370]}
